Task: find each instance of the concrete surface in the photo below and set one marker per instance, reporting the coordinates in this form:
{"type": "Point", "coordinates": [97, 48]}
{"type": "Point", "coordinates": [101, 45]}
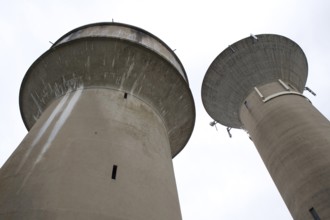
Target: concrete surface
{"type": "Point", "coordinates": [256, 84]}
{"type": "Point", "coordinates": [292, 138]}
{"type": "Point", "coordinates": [114, 56]}
{"type": "Point", "coordinates": [245, 64]}
{"type": "Point", "coordinates": [107, 108]}
{"type": "Point", "coordinates": [63, 167]}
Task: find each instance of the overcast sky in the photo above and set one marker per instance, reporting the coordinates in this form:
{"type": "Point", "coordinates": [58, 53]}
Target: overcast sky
{"type": "Point", "coordinates": [217, 177]}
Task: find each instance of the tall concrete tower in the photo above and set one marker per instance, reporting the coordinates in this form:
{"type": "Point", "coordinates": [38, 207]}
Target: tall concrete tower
{"type": "Point", "coordinates": [107, 108]}
{"type": "Point", "coordinates": [256, 84]}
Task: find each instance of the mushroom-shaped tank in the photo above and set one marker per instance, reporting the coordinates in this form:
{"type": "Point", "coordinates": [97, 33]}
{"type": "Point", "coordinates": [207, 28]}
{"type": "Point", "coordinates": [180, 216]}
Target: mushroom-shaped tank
{"type": "Point", "coordinates": [113, 56]}
{"type": "Point", "coordinates": [253, 61]}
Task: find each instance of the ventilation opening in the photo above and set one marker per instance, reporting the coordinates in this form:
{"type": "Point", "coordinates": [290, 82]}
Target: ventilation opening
{"type": "Point", "coordinates": [125, 95]}
{"type": "Point", "coordinates": [114, 172]}
{"type": "Point", "coordinates": [314, 214]}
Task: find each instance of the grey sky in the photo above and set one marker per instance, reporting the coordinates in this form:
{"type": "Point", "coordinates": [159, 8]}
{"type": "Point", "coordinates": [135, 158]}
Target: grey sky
{"type": "Point", "coordinates": [217, 177]}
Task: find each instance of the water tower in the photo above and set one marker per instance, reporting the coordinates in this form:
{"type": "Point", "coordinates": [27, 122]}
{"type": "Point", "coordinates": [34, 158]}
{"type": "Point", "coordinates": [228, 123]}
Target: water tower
{"type": "Point", "coordinates": [107, 108]}
{"type": "Point", "coordinates": [256, 84]}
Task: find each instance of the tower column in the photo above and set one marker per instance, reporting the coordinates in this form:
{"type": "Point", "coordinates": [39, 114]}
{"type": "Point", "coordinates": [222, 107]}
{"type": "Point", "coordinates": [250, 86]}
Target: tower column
{"type": "Point", "coordinates": [93, 154]}
{"type": "Point", "coordinates": [292, 137]}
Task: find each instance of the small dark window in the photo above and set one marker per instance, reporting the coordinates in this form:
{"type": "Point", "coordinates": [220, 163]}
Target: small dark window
{"type": "Point", "coordinates": [314, 214]}
{"type": "Point", "coordinates": [114, 172]}
{"type": "Point", "coordinates": [125, 95]}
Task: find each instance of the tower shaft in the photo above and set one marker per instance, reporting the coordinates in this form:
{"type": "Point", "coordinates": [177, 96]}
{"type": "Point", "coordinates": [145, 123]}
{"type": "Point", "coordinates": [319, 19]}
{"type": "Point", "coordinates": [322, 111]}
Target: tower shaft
{"type": "Point", "coordinates": [93, 154]}
{"type": "Point", "coordinates": [292, 138]}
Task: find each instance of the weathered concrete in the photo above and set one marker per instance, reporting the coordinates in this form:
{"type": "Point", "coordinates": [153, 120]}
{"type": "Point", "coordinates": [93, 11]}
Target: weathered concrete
{"type": "Point", "coordinates": [292, 137]}
{"type": "Point", "coordinates": [248, 63]}
{"type": "Point", "coordinates": [293, 140]}
{"type": "Point", "coordinates": [105, 114]}
{"type": "Point", "coordinates": [113, 56]}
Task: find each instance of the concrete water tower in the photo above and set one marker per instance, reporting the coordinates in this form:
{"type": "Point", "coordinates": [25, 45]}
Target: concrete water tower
{"type": "Point", "coordinates": [256, 84]}
{"type": "Point", "coordinates": [107, 108]}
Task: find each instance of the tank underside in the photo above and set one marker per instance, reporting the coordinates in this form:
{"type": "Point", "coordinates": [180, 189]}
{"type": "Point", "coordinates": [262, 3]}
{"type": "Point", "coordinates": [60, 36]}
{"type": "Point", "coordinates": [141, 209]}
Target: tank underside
{"type": "Point", "coordinates": [250, 62]}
